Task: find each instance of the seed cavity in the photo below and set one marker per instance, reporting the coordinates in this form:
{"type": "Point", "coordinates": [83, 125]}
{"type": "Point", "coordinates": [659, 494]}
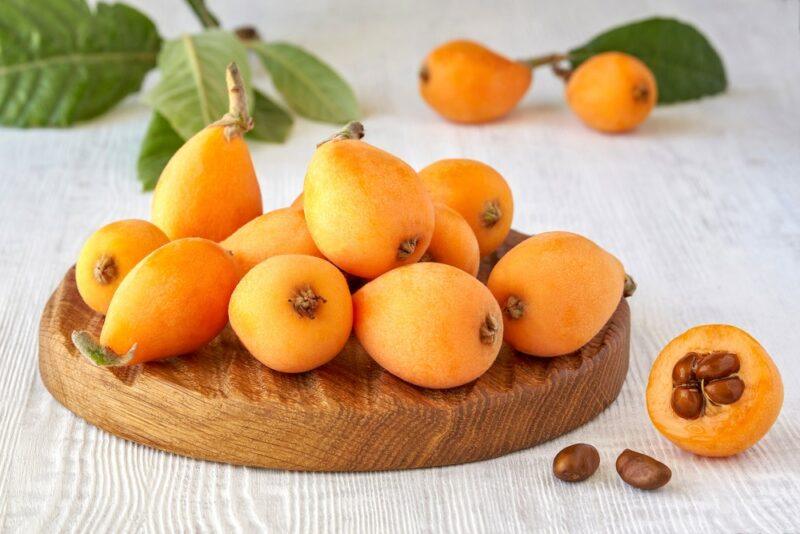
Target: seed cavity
{"type": "Point", "coordinates": [700, 379]}
{"type": "Point", "coordinates": [491, 213]}
{"type": "Point", "coordinates": [641, 92]}
{"type": "Point", "coordinates": [514, 307]}
{"type": "Point", "coordinates": [488, 330]}
{"type": "Point", "coordinates": [105, 270]}
{"type": "Point", "coordinates": [305, 302]}
{"type": "Point", "coordinates": [407, 248]}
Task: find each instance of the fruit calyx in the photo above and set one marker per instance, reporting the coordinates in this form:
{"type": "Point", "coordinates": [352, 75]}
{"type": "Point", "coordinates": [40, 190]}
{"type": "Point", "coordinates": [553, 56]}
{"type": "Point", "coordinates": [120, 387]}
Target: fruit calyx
{"type": "Point", "coordinates": [488, 330]}
{"type": "Point", "coordinates": [98, 354]}
{"type": "Point", "coordinates": [305, 302]}
{"type": "Point", "coordinates": [641, 92]}
{"type": "Point", "coordinates": [629, 288]}
{"type": "Point", "coordinates": [105, 270]}
{"type": "Point", "coordinates": [491, 213]}
{"type": "Point", "coordinates": [703, 379]}
{"type": "Point", "coordinates": [352, 130]}
{"type": "Point", "coordinates": [237, 121]}
{"type": "Point", "coordinates": [424, 74]}
{"type": "Point", "coordinates": [407, 248]}
{"type": "Point", "coordinates": [514, 307]}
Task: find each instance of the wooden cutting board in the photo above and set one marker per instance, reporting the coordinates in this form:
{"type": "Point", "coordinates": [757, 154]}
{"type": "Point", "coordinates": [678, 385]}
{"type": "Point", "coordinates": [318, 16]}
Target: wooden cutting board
{"type": "Point", "coordinates": [221, 404]}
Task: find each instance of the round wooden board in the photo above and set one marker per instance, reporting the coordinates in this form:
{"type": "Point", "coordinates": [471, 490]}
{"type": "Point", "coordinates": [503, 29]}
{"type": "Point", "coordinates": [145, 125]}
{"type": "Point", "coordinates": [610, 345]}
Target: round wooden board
{"type": "Point", "coordinates": [221, 404]}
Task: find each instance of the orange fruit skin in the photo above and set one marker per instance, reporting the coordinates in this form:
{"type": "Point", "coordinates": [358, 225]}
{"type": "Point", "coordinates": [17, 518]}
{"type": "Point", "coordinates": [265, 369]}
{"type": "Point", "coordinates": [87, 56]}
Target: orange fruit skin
{"type": "Point", "coordinates": [297, 202]}
{"type": "Point", "coordinates": [208, 189]}
{"type": "Point", "coordinates": [612, 92]}
{"type": "Point", "coordinates": [466, 186]}
{"type": "Point", "coordinates": [422, 324]}
{"type": "Point", "coordinates": [466, 82]}
{"type": "Point", "coordinates": [453, 241]}
{"type": "Point", "coordinates": [731, 428]}
{"type": "Point", "coordinates": [173, 302]}
{"type": "Point", "coordinates": [361, 203]}
{"type": "Point", "coordinates": [282, 231]}
{"type": "Point", "coordinates": [126, 242]}
{"type": "Point", "coordinates": [263, 317]}
{"type": "Point", "coordinates": [570, 288]}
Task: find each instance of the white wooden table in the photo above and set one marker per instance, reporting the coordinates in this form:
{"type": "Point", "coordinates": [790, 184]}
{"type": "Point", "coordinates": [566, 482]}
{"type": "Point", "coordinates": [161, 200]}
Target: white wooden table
{"type": "Point", "coordinates": [702, 204]}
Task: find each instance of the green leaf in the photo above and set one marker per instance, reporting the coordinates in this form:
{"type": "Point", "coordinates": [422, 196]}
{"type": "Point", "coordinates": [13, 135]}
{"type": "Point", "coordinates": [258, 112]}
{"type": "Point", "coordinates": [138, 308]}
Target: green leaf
{"type": "Point", "coordinates": [271, 122]}
{"type": "Point", "coordinates": [206, 17]}
{"type": "Point", "coordinates": [685, 64]}
{"type": "Point", "coordinates": [159, 144]}
{"type": "Point", "coordinates": [61, 63]}
{"type": "Point", "coordinates": [310, 87]}
{"type": "Point", "coordinates": [192, 92]}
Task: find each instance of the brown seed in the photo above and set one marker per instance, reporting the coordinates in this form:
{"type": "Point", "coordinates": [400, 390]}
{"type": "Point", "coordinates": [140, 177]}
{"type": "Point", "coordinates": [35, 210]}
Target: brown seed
{"type": "Point", "coordinates": [725, 390]}
{"type": "Point", "coordinates": [718, 364]}
{"type": "Point", "coordinates": [576, 462]}
{"type": "Point", "coordinates": [687, 401]}
{"type": "Point", "coordinates": [682, 372]}
{"type": "Point", "coordinates": [642, 471]}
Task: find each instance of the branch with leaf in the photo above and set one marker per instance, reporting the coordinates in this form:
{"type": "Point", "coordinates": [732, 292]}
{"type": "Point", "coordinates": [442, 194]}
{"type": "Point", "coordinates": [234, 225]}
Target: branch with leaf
{"type": "Point", "coordinates": [62, 63]}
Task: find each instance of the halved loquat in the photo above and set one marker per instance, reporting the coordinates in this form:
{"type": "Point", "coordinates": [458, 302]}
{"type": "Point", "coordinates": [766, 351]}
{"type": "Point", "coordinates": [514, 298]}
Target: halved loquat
{"type": "Point", "coordinates": [714, 390]}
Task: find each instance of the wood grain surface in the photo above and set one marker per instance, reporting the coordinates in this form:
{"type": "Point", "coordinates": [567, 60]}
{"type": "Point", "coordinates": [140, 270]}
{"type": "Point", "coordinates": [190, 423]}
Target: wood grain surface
{"type": "Point", "coordinates": [349, 415]}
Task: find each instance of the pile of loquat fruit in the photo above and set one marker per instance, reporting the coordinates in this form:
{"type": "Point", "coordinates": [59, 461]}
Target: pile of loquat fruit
{"type": "Point", "coordinates": [374, 248]}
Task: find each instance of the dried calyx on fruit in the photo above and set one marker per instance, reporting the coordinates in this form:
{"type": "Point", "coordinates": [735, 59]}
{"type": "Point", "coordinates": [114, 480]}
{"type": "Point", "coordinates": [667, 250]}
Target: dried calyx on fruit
{"type": "Point", "coordinates": [703, 380]}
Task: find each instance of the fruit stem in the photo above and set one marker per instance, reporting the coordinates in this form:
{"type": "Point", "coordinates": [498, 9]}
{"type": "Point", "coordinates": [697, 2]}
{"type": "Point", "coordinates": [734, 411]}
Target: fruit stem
{"type": "Point", "coordinates": [351, 130]}
{"type": "Point", "coordinates": [105, 270]}
{"type": "Point", "coordinates": [247, 34]}
{"type": "Point", "coordinates": [237, 120]}
{"type": "Point", "coordinates": [98, 354]}
{"type": "Point", "coordinates": [548, 59]}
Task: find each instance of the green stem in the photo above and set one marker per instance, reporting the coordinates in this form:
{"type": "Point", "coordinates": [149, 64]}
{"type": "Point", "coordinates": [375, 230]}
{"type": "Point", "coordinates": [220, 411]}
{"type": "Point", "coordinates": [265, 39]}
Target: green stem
{"type": "Point", "coordinates": [207, 19]}
{"type": "Point", "coordinates": [548, 59]}
{"type": "Point", "coordinates": [98, 354]}
{"type": "Point", "coordinates": [351, 130]}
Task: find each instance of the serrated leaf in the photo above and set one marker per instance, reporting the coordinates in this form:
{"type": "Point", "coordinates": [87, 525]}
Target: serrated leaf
{"type": "Point", "coordinates": [159, 144]}
{"type": "Point", "coordinates": [60, 62]}
{"type": "Point", "coordinates": [271, 123]}
{"type": "Point", "coordinates": [192, 93]}
{"type": "Point", "coordinates": [684, 62]}
{"type": "Point", "coordinates": [310, 87]}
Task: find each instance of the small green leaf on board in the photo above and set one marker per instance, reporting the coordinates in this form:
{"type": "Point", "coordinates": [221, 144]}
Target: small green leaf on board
{"type": "Point", "coordinates": [310, 87]}
{"type": "Point", "coordinates": [272, 123]}
{"type": "Point", "coordinates": [159, 144]}
{"type": "Point", "coordinates": [61, 62]}
{"type": "Point", "coordinates": [684, 62]}
{"type": "Point", "coordinates": [192, 92]}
